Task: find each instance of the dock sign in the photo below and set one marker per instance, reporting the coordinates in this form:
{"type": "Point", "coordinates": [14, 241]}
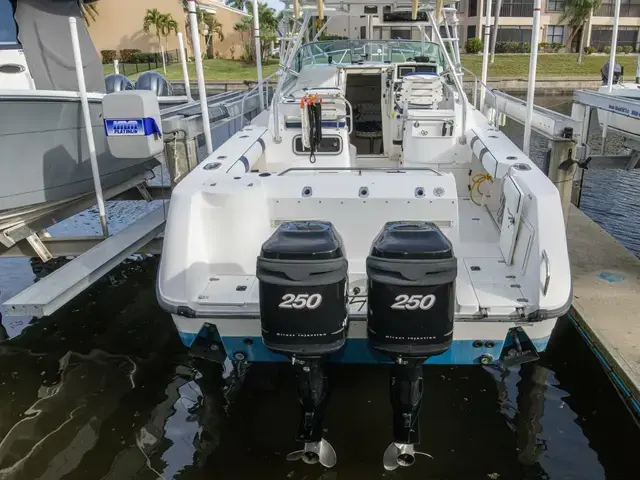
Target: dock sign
{"type": "Point", "coordinates": [137, 127]}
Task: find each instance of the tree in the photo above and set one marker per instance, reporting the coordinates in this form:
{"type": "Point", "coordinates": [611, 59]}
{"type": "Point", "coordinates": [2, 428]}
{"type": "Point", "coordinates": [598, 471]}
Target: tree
{"type": "Point", "coordinates": [577, 13]}
{"type": "Point", "coordinates": [268, 30]}
{"type": "Point", "coordinates": [207, 22]}
{"type": "Point", "coordinates": [89, 11]}
{"type": "Point", "coordinates": [168, 26]}
{"type": "Point", "coordinates": [213, 27]}
{"type": "Point", "coordinates": [153, 18]}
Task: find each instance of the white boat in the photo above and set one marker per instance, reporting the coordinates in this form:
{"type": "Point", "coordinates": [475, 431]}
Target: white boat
{"type": "Point", "coordinates": [45, 157]}
{"type": "Point", "coordinates": [391, 223]}
{"type": "Point", "coordinates": [628, 123]}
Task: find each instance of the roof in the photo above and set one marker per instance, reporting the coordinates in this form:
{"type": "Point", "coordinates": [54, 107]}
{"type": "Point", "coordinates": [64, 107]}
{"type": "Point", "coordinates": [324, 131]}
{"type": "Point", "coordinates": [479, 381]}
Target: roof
{"type": "Point", "coordinates": [215, 4]}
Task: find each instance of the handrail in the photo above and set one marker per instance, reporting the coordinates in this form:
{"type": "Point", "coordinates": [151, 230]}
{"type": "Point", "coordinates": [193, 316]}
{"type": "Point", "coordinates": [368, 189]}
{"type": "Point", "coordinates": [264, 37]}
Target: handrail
{"type": "Point", "coordinates": [456, 80]}
{"type": "Point", "coordinates": [359, 169]}
{"type": "Point", "coordinates": [489, 90]}
{"type": "Point", "coordinates": [259, 84]}
{"type": "Point", "coordinates": [547, 264]}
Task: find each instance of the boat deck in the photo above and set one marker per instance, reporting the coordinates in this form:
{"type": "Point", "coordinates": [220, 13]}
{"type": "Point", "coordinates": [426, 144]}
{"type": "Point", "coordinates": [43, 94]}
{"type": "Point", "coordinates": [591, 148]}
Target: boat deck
{"type": "Point", "coordinates": [484, 280]}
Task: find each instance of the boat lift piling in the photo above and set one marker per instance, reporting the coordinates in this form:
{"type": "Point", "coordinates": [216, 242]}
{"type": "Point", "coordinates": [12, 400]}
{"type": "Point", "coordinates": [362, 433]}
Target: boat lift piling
{"type": "Point", "coordinates": [185, 70]}
{"type": "Point", "coordinates": [202, 90]}
{"type": "Point", "coordinates": [77, 55]}
{"type": "Point", "coordinates": [533, 65]}
{"type": "Point", "coordinates": [612, 64]}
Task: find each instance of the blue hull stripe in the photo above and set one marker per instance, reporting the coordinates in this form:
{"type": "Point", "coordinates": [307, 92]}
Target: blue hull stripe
{"type": "Point", "coordinates": [462, 352]}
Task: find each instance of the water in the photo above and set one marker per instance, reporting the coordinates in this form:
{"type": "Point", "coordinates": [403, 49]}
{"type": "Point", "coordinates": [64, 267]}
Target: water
{"type": "Point", "coordinates": [104, 390]}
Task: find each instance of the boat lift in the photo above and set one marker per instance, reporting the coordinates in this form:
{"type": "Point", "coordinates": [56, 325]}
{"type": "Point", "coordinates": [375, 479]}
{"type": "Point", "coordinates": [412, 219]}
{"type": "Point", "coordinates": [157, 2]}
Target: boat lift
{"type": "Point", "coordinates": [184, 124]}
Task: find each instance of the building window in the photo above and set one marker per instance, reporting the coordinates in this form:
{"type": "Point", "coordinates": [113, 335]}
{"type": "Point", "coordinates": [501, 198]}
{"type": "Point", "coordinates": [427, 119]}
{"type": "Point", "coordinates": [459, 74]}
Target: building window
{"type": "Point", "coordinates": [514, 34]}
{"type": "Point", "coordinates": [473, 8]}
{"type": "Point", "coordinates": [471, 32]}
{"type": "Point", "coordinates": [601, 37]}
{"type": "Point", "coordinates": [555, 5]}
{"type": "Point", "coordinates": [402, 33]}
{"type": "Point", "coordinates": [555, 34]}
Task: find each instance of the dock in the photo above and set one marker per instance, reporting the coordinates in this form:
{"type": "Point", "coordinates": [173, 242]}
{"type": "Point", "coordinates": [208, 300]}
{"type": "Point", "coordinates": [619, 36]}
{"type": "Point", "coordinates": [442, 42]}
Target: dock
{"type": "Point", "coordinates": [606, 302]}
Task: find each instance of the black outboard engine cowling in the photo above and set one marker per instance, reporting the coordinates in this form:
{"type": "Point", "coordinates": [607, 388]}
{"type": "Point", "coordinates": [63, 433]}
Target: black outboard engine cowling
{"type": "Point", "coordinates": [303, 289]}
{"type": "Point", "coordinates": [412, 272]}
{"type": "Point", "coordinates": [302, 271]}
{"type": "Point", "coordinates": [411, 300]}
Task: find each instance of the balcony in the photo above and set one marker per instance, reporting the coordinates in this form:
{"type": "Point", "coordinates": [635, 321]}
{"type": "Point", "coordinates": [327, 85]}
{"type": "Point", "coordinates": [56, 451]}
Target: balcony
{"type": "Point", "coordinates": [626, 10]}
{"type": "Point", "coordinates": [512, 9]}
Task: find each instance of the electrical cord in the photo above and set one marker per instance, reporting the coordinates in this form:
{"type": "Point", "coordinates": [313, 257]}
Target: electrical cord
{"type": "Point", "coordinates": [476, 181]}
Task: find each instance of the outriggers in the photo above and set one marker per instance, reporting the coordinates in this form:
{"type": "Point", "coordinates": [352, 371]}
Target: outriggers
{"type": "Point", "coordinates": [372, 214]}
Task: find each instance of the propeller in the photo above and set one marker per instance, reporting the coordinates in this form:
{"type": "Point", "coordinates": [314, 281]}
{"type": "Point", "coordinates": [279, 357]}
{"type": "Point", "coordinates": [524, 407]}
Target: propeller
{"type": "Point", "coordinates": [400, 455]}
{"type": "Point", "coordinates": [315, 452]}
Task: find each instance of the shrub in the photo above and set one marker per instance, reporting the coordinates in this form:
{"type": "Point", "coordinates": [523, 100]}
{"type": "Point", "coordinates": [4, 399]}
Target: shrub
{"type": "Point", "coordinates": [589, 49]}
{"type": "Point", "coordinates": [146, 57]}
{"type": "Point", "coordinates": [618, 49]}
{"type": "Point", "coordinates": [127, 55]}
{"type": "Point", "coordinates": [553, 47]}
{"type": "Point", "coordinates": [513, 47]}
{"type": "Point", "coordinates": [473, 45]}
{"type": "Point", "coordinates": [627, 49]}
{"type": "Point", "coordinates": [232, 52]}
{"type": "Point", "coordinates": [108, 56]}
{"type": "Point", "coordinates": [606, 49]}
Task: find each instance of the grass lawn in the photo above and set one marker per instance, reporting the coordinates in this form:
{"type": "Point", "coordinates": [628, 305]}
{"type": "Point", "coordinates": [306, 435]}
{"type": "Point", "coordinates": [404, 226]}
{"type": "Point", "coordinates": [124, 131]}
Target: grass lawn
{"type": "Point", "coordinates": [549, 65]}
{"type": "Point", "coordinates": [215, 70]}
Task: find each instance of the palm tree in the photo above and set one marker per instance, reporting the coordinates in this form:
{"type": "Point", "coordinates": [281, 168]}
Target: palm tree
{"type": "Point", "coordinates": [88, 10]}
{"type": "Point", "coordinates": [153, 18]}
{"type": "Point", "coordinates": [577, 12]}
{"type": "Point", "coordinates": [212, 27]}
{"type": "Point", "coordinates": [168, 26]}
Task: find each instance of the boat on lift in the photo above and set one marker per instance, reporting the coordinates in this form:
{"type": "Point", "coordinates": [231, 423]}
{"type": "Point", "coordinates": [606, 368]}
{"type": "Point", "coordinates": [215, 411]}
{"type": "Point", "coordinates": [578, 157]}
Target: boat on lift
{"type": "Point", "coordinates": [45, 156]}
{"type": "Point", "coordinates": [371, 214]}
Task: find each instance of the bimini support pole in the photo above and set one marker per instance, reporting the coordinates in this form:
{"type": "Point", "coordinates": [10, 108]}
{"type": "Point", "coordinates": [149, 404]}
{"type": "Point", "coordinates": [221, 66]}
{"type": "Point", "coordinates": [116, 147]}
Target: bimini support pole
{"type": "Point", "coordinates": [202, 90]}
{"type": "Point", "coordinates": [485, 54]}
{"type": "Point", "coordinates": [88, 127]}
{"type": "Point", "coordinates": [612, 64]}
{"type": "Point", "coordinates": [531, 86]}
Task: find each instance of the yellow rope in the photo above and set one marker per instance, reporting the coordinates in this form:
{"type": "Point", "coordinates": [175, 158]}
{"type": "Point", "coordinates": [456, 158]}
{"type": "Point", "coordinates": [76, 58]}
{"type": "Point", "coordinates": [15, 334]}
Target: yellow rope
{"type": "Point", "coordinates": [476, 181]}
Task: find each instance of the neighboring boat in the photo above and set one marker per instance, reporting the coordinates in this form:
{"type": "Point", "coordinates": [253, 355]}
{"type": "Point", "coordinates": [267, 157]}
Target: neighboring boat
{"type": "Point", "coordinates": [371, 215]}
{"type": "Point", "coordinates": [45, 158]}
{"type": "Point", "coordinates": [628, 123]}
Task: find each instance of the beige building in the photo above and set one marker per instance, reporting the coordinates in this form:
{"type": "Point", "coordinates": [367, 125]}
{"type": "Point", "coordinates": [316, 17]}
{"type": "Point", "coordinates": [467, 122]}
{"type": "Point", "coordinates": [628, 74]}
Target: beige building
{"type": "Point", "coordinates": [516, 19]}
{"type": "Point", "coordinates": [119, 25]}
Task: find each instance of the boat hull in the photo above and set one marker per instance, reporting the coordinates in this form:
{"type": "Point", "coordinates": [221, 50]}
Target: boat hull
{"type": "Point", "coordinates": [45, 156]}
{"type": "Point", "coordinates": [244, 336]}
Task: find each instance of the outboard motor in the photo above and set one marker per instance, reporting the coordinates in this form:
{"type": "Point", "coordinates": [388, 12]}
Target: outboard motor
{"type": "Point", "coordinates": [617, 73]}
{"type": "Point", "coordinates": [156, 83]}
{"type": "Point", "coordinates": [411, 302]}
{"type": "Point", "coordinates": [302, 271]}
{"type": "Point", "coordinates": [116, 82]}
